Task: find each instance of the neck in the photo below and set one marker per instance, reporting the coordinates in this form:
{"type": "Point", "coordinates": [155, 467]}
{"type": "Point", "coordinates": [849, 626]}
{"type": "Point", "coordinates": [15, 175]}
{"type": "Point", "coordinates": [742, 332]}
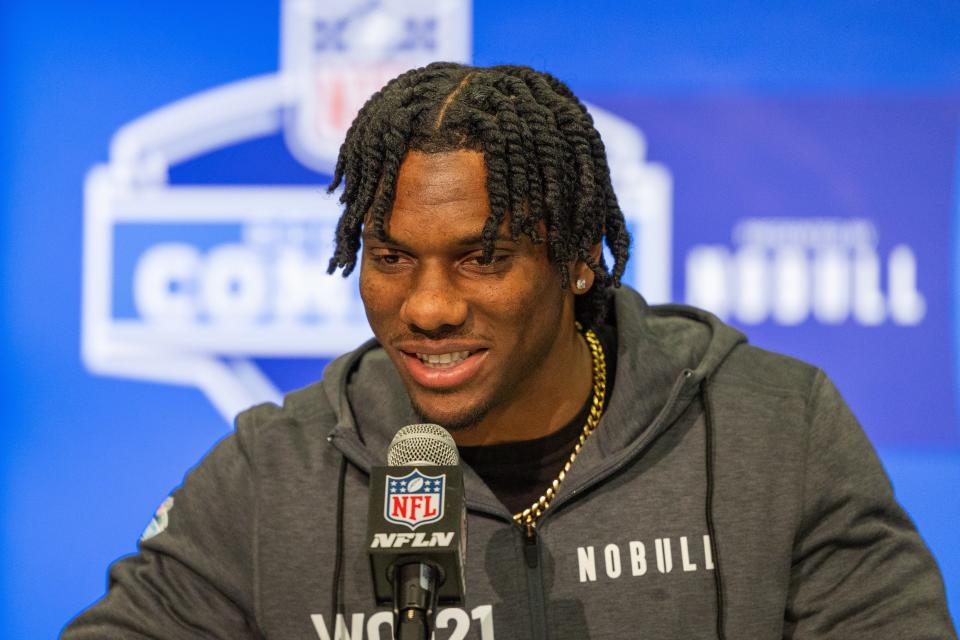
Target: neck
{"type": "Point", "coordinates": [547, 401]}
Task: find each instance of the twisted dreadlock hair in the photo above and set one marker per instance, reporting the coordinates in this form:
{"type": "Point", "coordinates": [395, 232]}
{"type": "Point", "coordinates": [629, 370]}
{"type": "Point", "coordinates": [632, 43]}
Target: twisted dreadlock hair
{"type": "Point", "coordinates": [544, 159]}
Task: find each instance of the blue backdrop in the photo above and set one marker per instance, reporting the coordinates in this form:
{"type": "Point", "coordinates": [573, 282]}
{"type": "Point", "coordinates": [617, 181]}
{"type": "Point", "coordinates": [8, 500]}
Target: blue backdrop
{"type": "Point", "coordinates": [797, 172]}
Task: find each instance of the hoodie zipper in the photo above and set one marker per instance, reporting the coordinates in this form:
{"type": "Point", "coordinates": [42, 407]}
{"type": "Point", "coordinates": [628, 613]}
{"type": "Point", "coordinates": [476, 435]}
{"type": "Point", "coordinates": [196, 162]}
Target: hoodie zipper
{"type": "Point", "coordinates": [531, 556]}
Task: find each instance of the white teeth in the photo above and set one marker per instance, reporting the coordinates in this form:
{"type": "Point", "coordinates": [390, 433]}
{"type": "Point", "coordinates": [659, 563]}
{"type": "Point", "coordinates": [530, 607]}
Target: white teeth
{"type": "Point", "coordinates": [443, 359]}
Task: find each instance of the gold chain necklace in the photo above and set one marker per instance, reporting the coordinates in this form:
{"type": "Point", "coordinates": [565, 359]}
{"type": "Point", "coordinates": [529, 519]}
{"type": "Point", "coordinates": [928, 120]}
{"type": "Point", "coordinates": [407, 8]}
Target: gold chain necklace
{"type": "Point", "coordinates": [528, 517]}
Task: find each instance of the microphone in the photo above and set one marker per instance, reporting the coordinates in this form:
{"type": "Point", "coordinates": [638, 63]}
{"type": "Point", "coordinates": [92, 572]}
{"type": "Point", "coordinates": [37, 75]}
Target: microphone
{"type": "Point", "coordinates": [416, 529]}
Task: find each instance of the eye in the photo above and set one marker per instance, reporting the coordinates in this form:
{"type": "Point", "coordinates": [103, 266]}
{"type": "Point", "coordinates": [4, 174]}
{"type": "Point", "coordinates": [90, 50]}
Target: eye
{"type": "Point", "coordinates": [388, 259]}
{"type": "Point", "coordinates": [499, 263]}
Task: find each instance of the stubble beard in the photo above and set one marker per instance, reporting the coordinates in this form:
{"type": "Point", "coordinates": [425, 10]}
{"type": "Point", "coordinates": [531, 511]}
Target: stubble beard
{"type": "Point", "coordinates": [462, 421]}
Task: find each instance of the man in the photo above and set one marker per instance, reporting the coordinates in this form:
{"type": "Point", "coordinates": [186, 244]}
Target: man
{"type": "Point", "coordinates": [630, 471]}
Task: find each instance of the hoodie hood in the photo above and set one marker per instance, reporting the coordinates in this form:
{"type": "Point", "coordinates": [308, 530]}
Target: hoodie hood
{"type": "Point", "coordinates": [663, 354]}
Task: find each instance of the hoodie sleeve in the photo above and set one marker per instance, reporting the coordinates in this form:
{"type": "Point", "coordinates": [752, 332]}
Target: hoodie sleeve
{"type": "Point", "coordinates": [194, 574]}
{"type": "Point", "coordinates": [859, 568]}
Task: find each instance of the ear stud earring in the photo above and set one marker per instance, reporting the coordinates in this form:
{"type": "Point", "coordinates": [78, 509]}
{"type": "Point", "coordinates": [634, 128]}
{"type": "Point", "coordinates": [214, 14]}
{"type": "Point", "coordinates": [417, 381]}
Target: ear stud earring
{"type": "Point", "coordinates": [581, 284]}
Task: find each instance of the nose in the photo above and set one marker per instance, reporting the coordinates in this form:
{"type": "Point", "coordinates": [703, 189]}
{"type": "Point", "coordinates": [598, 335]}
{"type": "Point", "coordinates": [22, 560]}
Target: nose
{"type": "Point", "coordinates": [433, 305]}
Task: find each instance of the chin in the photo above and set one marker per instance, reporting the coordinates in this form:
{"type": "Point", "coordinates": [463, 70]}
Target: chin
{"type": "Point", "coordinates": [453, 419]}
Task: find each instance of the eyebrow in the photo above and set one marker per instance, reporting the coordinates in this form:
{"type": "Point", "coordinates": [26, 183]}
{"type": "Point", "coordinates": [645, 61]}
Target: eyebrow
{"type": "Point", "coordinates": [370, 236]}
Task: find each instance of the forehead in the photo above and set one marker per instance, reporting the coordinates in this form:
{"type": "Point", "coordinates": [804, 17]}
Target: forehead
{"type": "Point", "coordinates": [437, 178]}
{"type": "Point", "coordinates": [444, 190]}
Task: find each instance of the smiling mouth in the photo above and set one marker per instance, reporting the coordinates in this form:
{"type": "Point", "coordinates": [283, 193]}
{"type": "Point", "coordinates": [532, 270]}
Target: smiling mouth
{"type": "Point", "coordinates": [443, 371]}
{"type": "Point", "coordinates": [443, 360]}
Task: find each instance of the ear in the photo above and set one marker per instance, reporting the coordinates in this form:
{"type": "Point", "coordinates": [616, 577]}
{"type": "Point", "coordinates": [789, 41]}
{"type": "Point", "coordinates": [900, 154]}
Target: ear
{"type": "Point", "coordinates": [582, 274]}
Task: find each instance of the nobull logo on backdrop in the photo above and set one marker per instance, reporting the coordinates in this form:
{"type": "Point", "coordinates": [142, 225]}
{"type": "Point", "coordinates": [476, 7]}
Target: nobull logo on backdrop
{"type": "Point", "coordinates": [204, 285]}
{"type": "Point", "coordinates": [790, 271]}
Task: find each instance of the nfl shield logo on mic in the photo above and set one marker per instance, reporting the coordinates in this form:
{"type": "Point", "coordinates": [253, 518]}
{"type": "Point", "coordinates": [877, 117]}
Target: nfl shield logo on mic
{"type": "Point", "coordinates": [414, 499]}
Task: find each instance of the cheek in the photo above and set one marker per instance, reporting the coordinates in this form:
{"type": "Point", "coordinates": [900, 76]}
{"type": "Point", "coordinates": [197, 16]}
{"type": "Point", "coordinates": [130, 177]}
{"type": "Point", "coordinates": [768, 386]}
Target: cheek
{"type": "Point", "coordinates": [528, 301]}
{"type": "Point", "coordinates": [378, 298]}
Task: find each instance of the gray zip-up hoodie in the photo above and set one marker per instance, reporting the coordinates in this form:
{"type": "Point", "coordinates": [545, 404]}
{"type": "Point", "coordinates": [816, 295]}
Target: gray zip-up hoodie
{"type": "Point", "coordinates": [725, 487]}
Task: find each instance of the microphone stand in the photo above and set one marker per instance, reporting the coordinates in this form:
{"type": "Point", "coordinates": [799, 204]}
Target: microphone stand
{"type": "Point", "coordinates": [414, 600]}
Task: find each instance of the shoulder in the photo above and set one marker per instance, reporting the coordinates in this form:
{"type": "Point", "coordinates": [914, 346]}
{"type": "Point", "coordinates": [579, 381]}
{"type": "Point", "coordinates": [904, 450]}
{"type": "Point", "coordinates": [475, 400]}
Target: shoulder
{"type": "Point", "coordinates": [288, 436]}
{"type": "Point", "coordinates": [357, 389]}
{"type": "Point", "coordinates": [752, 370]}
{"type": "Point", "coordinates": [766, 401]}
{"type": "Point", "coordinates": [298, 430]}
{"type": "Point", "coordinates": [309, 405]}
{"type": "Point", "coordinates": [316, 406]}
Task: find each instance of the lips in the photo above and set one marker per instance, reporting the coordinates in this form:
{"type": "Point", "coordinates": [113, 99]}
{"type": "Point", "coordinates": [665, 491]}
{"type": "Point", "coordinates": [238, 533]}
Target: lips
{"type": "Point", "coordinates": [438, 367]}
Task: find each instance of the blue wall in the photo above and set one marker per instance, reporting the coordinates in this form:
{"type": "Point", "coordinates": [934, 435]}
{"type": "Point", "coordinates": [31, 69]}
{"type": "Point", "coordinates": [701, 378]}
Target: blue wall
{"type": "Point", "coordinates": [839, 110]}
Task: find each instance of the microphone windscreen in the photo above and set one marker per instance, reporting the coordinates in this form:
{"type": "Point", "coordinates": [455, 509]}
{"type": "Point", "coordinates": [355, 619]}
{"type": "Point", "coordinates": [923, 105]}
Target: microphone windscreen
{"type": "Point", "coordinates": [424, 444]}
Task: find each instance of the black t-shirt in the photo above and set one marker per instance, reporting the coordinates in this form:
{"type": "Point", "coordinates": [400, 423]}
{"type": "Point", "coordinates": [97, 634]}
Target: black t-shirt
{"type": "Point", "coordinates": [518, 473]}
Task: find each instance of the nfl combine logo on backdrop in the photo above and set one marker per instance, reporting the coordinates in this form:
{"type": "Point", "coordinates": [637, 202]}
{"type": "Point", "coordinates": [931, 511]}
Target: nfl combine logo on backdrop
{"type": "Point", "coordinates": [414, 499]}
{"type": "Point", "coordinates": [335, 55]}
{"type": "Point", "coordinates": [212, 285]}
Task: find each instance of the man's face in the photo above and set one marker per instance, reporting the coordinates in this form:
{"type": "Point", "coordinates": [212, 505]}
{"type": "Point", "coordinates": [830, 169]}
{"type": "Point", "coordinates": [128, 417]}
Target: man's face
{"type": "Point", "coordinates": [466, 337]}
